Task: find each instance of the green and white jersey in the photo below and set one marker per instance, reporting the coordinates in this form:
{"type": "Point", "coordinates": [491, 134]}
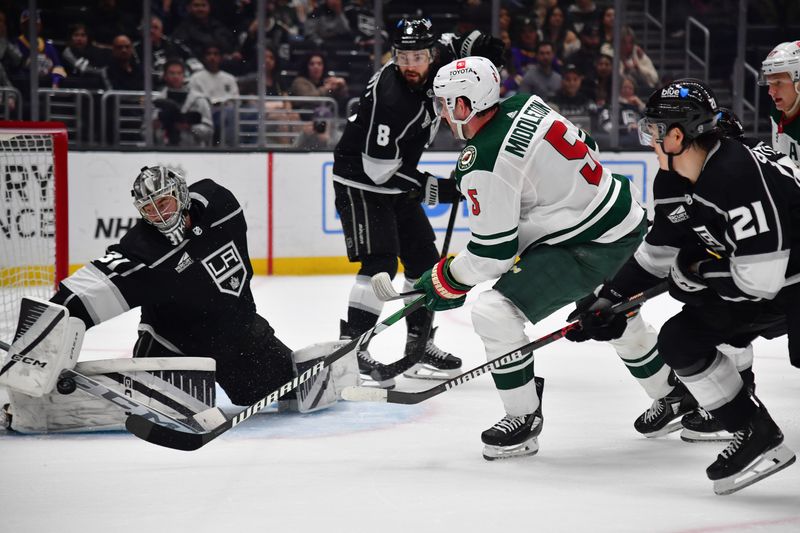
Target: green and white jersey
{"type": "Point", "coordinates": [785, 135]}
{"type": "Point", "coordinates": [532, 177]}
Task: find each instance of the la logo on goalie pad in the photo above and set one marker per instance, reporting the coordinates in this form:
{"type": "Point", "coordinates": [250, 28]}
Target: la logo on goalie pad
{"type": "Point", "coordinates": [47, 341]}
{"type": "Point", "coordinates": [226, 268]}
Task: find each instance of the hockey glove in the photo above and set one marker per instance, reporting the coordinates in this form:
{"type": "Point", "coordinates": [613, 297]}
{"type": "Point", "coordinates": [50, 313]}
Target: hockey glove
{"type": "Point", "coordinates": [596, 320]}
{"type": "Point", "coordinates": [489, 47]}
{"type": "Point", "coordinates": [439, 191]}
{"type": "Point", "coordinates": [685, 282]}
{"type": "Point", "coordinates": [442, 292]}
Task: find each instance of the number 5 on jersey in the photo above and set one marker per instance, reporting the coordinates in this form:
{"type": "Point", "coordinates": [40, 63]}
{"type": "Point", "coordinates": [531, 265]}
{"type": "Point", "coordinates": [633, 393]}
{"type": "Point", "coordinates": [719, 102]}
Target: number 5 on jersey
{"type": "Point", "coordinates": [473, 197]}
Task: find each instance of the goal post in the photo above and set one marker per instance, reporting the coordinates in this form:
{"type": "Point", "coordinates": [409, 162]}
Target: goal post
{"type": "Point", "coordinates": [34, 217]}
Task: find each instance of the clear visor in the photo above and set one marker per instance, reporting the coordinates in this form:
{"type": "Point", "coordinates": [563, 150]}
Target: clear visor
{"type": "Point", "coordinates": [438, 105]}
{"type": "Point", "coordinates": [764, 79]}
{"type": "Point", "coordinates": [412, 58]}
{"type": "Point", "coordinates": [650, 131]}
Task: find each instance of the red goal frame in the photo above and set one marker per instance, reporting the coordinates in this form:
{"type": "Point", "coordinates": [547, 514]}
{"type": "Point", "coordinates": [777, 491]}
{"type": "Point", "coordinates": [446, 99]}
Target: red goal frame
{"type": "Point", "coordinates": [58, 131]}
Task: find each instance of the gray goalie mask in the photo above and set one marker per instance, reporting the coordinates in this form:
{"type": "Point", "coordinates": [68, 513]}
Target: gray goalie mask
{"type": "Point", "coordinates": [161, 196]}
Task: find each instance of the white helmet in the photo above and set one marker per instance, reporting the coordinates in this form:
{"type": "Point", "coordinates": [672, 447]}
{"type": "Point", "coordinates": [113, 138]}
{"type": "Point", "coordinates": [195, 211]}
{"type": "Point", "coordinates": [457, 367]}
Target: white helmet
{"type": "Point", "coordinates": [475, 78]}
{"type": "Point", "coordinates": [784, 58]}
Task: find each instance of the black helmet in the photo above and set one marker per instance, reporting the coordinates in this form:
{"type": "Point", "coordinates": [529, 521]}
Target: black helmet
{"type": "Point", "coordinates": [413, 34]}
{"type": "Point", "coordinates": [729, 124]}
{"type": "Point", "coordinates": [687, 103]}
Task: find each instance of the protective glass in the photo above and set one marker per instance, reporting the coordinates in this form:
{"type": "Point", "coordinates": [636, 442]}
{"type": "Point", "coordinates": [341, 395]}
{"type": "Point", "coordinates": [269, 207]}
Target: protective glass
{"type": "Point", "coordinates": [412, 58]}
{"type": "Point", "coordinates": [650, 130]}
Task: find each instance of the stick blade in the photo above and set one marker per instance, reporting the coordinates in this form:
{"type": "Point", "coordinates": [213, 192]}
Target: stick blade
{"type": "Point", "coordinates": [382, 285]}
{"type": "Point", "coordinates": [164, 436]}
{"type": "Point", "coordinates": [364, 394]}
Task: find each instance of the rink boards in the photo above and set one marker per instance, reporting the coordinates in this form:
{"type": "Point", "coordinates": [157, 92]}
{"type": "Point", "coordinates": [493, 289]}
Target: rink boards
{"type": "Point", "coordinates": [293, 227]}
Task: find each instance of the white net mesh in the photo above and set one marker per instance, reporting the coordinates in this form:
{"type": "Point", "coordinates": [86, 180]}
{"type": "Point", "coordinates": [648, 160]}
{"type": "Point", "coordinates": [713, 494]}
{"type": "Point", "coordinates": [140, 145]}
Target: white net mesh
{"type": "Point", "coordinates": [27, 222]}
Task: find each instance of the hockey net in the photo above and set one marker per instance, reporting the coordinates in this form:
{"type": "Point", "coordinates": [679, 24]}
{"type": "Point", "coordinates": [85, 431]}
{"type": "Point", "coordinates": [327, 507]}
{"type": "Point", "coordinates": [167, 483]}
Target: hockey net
{"type": "Point", "coordinates": [34, 253]}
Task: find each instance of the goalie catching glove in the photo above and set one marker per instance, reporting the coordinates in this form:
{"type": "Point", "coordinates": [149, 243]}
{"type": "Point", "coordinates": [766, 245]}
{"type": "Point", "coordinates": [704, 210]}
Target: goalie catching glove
{"type": "Point", "coordinates": [442, 292]}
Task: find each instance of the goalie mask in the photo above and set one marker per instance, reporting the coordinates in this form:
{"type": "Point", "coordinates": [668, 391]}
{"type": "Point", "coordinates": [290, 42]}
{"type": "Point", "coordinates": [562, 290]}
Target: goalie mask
{"type": "Point", "coordinates": [688, 104]}
{"type": "Point", "coordinates": [474, 78]}
{"type": "Point", "coordinates": [161, 196]}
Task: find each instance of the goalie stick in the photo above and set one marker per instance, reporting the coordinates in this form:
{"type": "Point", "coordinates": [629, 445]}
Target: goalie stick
{"type": "Point", "coordinates": [371, 394]}
{"type": "Point", "coordinates": [178, 439]}
{"type": "Point", "coordinates": [127, 403]}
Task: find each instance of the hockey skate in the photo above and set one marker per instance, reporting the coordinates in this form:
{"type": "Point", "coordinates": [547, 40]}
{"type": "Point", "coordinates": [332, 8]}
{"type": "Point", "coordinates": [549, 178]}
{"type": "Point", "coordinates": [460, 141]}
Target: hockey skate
{"type": "Point", "coordinates": [369, 368]}
{"type": "Point", "coordinates": [515, 436]}
{"type": "Point", "coordinates": [664, 416]}
{"type": "Point", "coordinates": [701, 426]}
{"type": "Point", "coordinates": [435, 363]}
{"type": "Point", "coordinates": [757, 451]}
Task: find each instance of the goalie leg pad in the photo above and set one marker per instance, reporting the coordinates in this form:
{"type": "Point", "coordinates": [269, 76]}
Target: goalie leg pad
{"type": "Point", "coordinates": [323, 389]}
{"type": "Point", "coordinates": [46, 342]}
{"type": "Point", "coordinates": [176, 386]}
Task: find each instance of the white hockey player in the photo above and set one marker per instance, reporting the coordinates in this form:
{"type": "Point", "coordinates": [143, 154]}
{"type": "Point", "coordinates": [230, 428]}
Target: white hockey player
{"type": "Point", "coordinates": [535, 190]}
{"type": "Point", "coordinates": [781, 72]}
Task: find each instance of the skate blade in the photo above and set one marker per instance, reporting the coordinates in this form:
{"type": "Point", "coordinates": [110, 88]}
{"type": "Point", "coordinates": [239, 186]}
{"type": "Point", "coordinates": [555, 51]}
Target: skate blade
{"type": "Point", "coordinates": [426, 371]}
{"type": "Point", "coordinates": [529, 447]}
{"type": "Point", "coordinates": [769, 463]}
{"type": "Point", "coordinates": [671, 427]}
{"type": "Point", "coordinates": [688, 435]}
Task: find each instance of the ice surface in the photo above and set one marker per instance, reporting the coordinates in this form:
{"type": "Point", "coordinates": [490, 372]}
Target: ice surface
{"type": "Point", "coordinates": [389, 468]}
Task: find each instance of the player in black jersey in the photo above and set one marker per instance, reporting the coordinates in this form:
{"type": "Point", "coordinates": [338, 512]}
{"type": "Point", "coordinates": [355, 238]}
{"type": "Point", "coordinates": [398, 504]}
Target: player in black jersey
{"type": "Point", "coordinates": [378, 187]}
{"type": "Point", "coordinates": [186, 264]}
{"type": "Point", "coordinates": [730, 243]}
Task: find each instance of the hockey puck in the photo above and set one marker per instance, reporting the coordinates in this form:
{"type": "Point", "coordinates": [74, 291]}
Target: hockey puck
{"type": "Point", "coordinates": [66, 386]}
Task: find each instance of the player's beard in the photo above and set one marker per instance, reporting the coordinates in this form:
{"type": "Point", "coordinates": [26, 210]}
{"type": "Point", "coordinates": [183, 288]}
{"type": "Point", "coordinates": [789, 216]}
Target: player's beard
{"type": "Point", "coordinates": [414, 79]}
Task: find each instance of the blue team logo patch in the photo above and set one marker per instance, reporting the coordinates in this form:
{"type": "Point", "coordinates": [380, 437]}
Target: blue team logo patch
{"type": "Point", "coordinates": [467, 158]}
{"type": "Point", "coordinates": [226, 268]}
{"type": "Point", "coordinates": [684, 92]}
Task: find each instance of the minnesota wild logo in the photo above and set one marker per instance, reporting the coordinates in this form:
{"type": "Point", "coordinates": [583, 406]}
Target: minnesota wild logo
{"type": "Point", "coordinates": [467, 158]}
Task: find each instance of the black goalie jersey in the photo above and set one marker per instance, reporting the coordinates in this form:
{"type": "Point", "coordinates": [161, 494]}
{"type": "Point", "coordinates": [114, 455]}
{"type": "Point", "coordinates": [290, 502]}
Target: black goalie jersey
{"type": "Point", "coordinates": [745, 207]}
{"type": "Point", "coordinates": [195, 297]}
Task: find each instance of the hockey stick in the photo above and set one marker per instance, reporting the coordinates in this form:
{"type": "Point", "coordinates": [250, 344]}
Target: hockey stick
{"type": "Point", "coordinates": [367, 394]}
{"type": "Point", "coordinates": [415, 356]}
{"type": "Point", "coordinates": [181, 440]}
{"type": "Point", "coordinates": [385, 291]}
{"type": "Point", "coordinates": [95, 388]}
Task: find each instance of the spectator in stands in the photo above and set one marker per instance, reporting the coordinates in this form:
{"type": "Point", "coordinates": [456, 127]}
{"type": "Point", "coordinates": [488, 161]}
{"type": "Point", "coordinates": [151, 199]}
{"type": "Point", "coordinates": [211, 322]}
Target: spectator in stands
{"type": "Point", "coordinates": [581, 13]}
{"type": "Point", "coordinates": [508, 76]}
{"type": "Point", "coordinates": [586, 56]}
{"type": "Point", "coordinates": [163, 48]}
{"type": "Point", "coordinates": [607, 26]}
{"type": "Point", "coordinates": [10, 56]}
{"type": "Point", "coordinates": [182, 117]}
{"type": "Point", "coordinates": [313, 81]}
{"type": "Point", "coordinates": [48, 58]}
{"type": "Point", "coordinates": [82, 58]}
{"type": "Point", "coordinates": [8, 102]}
{"type": "Point", "coordinates": [218, 86]}
{"type": "Point", "coordinates": [248, 84]}
{"type": "Point", "coordinates": [504, 20]}
{"type": "Point", "coordinates": [523, 53]}
{"type": "Point", "coordinates": [107, 20]}
{"type": "Point", "coordinates": [634, 62]}
{"type": "Point", "coordinates": [316, 134]}
{"type": "Point", "coordinates": [278, 36]}
{"type": "Point", "coordinates": [599, 85]}
{"type": "Point", "coordinates": [554, 29]}
{"type": "Point", "coordinates": [199, 30]}
{"type": "Point", "coordinates": [361, 21]}
{"type": "Point", "coordinates": [124, 73]}
{"type": "Point", "coordinates": [630, 111]}
{"type": "Point", "coordinates": [541, 79]}
{"type": "Point", "coordinates": [328, 22]}
{"type": "Point", "coordinates": [570, 100]}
